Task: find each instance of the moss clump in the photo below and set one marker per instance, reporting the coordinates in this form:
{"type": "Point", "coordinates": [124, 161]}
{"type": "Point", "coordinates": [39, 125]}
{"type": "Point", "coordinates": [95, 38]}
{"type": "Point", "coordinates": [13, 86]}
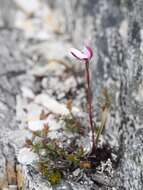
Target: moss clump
{"type": "Point", "coordinates": [73, 159]}
{"type": "Point", "coordinates": [53, 175]}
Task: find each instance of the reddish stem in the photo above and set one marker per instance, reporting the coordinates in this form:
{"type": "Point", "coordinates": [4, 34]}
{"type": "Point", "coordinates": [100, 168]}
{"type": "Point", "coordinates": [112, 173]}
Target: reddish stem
{"type": "Point", "coordinates": [89, 97]}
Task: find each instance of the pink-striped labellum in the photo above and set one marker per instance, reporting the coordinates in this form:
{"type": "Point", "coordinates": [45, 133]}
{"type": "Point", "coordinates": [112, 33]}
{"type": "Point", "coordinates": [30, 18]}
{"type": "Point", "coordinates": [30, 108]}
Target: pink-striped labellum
{"type": "Point", "coordinates": [86, 54]}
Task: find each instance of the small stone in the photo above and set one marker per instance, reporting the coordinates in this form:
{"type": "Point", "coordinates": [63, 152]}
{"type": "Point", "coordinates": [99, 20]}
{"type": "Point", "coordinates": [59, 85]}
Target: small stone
{"type": "Point", "coordinates": [33, 111]}
{"type": "Point", "coordinates": [37, 125]}
{"type": "Point", "coordinates": [85, 183]}
{"type": "Point", "coordinates": [70, 176]}
{"type": "Point", "coordinates": [52, 105]}
{"type": "Point", "coordinates": [45, 82]}
{"type": "Point", "coordinates": [53, 124]}
{"type": "Point", "coordinates": [61, 95]}
{"type": "Point", "coordinates": [91, 182]}
{"type": "Point", "coordinates": [76, 172]}
{"type": "Point", "coordinates": [28, 6]}
{"type": "Point", "coordinates": [63, 186]}
{"type": "Point", "coordinates": [27, 92]}
{"type": "Point", "coordinates": [26, 156]}
{"type": "Point", "coordinates": [114, 156]}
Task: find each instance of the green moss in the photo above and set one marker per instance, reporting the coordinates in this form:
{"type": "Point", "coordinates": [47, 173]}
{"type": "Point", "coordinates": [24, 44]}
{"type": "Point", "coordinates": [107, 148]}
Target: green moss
{"type": "Point", "coordinates": [54, 177]}
{"type": "Point", "coordinates": [73, 158]}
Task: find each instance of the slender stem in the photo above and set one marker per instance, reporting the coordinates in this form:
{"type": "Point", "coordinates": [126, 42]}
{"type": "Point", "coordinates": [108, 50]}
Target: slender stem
{"type": "Point", "coordinates": [89, 97]}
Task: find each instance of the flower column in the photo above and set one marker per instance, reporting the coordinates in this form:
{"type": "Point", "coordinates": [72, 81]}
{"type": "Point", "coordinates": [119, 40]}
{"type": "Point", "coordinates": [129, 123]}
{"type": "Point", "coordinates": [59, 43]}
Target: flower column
{"type": "Point", "coordinates": [85, 57]}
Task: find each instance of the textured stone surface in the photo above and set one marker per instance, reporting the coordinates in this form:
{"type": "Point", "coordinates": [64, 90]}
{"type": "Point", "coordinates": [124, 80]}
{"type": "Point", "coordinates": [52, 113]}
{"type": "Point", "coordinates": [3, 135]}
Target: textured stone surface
{"type": "Point", "coordinates": [115, 29]}
{"type": "Point", "coordinates": [11, 68]}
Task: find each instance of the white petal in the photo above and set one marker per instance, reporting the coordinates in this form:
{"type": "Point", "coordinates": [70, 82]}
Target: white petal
{"type": "Point", "coordinates": [78, 54]}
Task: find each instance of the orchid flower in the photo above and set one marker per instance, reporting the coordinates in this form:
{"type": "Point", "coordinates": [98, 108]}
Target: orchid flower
{"type": "Point", "coordinates": [84, 55]}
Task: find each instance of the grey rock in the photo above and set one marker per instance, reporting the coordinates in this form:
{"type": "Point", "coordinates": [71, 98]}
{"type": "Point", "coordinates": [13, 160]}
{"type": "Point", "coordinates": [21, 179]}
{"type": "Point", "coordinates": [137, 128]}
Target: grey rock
{"type": "Point", "coordinates": [115, 30]}
{"type": "Point", "coordinates": [11, 68]}
{"type": "Point", "coordinates": [7, 20]}
{"type": "Point", "coordinates": [76, 172]}
{"type": "Point", "coordinates": [63, 186]}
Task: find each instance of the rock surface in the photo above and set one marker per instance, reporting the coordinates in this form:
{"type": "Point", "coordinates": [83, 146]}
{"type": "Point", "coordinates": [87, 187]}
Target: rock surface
{"type": "Point", "coordinates": [10, 137]}
{"type": "Point", "coordinates": [115, 29]}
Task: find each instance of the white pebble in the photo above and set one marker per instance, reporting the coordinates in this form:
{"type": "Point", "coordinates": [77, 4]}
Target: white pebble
{"type": "Point", "coordinates": [26, 156]}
